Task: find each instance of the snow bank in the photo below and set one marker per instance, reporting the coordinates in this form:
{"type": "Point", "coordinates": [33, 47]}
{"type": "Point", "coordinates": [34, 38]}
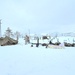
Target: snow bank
{"type": "Point", "coordinates": [25, 60]}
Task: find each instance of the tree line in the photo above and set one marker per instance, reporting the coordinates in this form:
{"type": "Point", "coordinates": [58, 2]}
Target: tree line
{"type": "Point", "coordinates": [9, 33]}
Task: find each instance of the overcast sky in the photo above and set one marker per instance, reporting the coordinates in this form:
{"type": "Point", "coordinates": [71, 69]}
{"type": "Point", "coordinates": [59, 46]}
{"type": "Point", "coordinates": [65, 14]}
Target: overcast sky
{"type": "Point", "coordinates": [38, 16]}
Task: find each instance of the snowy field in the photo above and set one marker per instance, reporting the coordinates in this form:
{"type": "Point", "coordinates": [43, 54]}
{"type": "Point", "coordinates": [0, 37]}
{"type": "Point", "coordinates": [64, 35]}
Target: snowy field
{"type": "Point", "coordinates": [26, 60]}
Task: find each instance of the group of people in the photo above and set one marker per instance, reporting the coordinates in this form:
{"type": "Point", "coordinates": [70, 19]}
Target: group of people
{"type": "Point", "coordinates": [27, 40]}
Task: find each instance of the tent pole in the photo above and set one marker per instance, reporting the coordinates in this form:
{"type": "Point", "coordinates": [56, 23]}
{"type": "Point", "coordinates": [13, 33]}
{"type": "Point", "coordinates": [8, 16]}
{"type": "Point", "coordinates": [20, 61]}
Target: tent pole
{"type": "Point", "coordinates": [0, 27]}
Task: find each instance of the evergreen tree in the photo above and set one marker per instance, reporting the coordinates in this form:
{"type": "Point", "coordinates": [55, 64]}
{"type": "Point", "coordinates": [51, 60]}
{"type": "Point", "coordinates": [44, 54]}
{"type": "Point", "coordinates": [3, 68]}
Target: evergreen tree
{"type": "Point", "coordinates": [8, 32]}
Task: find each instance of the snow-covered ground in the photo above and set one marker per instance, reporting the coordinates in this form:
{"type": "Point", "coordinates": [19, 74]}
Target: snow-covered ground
{"type": "Point", "coordinates": [26, 60]}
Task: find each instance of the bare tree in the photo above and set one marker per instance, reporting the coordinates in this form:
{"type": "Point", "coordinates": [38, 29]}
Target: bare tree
{"type": "Point", "coordinates": [17, 34]}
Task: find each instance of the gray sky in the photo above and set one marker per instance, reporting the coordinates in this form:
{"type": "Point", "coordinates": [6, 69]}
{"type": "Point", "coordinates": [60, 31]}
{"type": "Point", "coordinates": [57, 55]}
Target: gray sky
{"type": "Point", "coordinates": [40, 16]}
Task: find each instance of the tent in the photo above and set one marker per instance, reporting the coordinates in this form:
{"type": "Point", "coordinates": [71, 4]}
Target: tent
{"type": "Point", "coordinates": [1, 39]}
{"type": "Point", "coordinates": [7, 41]}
